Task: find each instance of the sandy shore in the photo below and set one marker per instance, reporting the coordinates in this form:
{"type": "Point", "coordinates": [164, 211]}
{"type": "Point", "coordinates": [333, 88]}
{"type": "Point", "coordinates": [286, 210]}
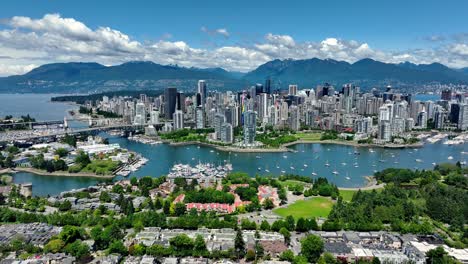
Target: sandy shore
{"type": "Point", "coordinates": [371, 185]}
{"type": "Point", "coordinates": [61, 173]}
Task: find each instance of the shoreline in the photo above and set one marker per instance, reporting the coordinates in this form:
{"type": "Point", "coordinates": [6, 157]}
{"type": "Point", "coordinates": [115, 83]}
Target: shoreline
{"type": "Point", "coordinates": [284, 147]}
{"type": "Point", "coordinates": [61, 173]}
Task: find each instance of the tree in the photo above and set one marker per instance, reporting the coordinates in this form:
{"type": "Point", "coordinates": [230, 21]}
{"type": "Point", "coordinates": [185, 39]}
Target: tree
{"type": "Point", "coordinates": [199, 245]}
{"type": "Point", "coordinates": [104, 197]}
{"type": "Point", "coordinates": [77, 249]}
{"type": "Point", "coordinates": [239, 244]}
{"type": "Point", "coordinates": [268, 204]}
{"type": "Point", "coordinates": [287, 255]}
{"type": "Point", "coordinates": [65, 206]}
{"type": "Point", "coordinates": [54, 246]}
{"type": "Point", "coordinates": [70, 233]}
{"type": "Point", "coordinates": [179, 209]}
{"type": "Point", "coordinates": [290, 223]}
{"type": "Point", "coordinates": [265, 226]}
{"type": "Point", "coordinates": [327, 258]}
{"type": "Point", "coordinates": [438, 256]}
{"type": "Point", "coordinates": [182, 245]}
{"type": "Point", "coordinates": [61, 152]}
{"type": "Point", "coordinates": [286, 234]}
{"type": "Point", "coordinates": [167, 207]}
{"type": "Point", "coordinates": [250, 256]}
{"type": "Point", "coordinates": [117, 247]}
{"type": "Point", "coordinates": [301, 225]}
{"type": "Point", "coordinates": [312, 247]}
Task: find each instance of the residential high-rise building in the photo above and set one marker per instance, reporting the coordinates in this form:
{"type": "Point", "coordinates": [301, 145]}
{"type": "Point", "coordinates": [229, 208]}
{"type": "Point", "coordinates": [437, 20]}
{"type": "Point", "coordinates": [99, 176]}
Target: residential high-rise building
{"type": "Point", "coordinates": [250, 123]}
{"type": "Point", "coordinates": [294, 119]}
{"type": "Point", "coordinates": [422, 119]}
{"type": "Point", "coordinates": [200, 118]}
{"type": "Point", "coordinates": [140, 114]}
{"type": "Point", "coordinates": [218, 121]}
{"type": "Point", "coordinates": [178, 119]}
{"type": "Point", "coordinates": [462, 123]}
{"type": "Point", "coordinates": [170, 98]}
{"type": "Point", "coordinates": [446, 94]}
{"type": "Point", "coordinates": [154, 117]}
{"type": "Point", "coordinates": [385, 132]}
{"type": "Point", "coordinates": [227, 134]}
{"type": "Point", "coordinates": [292, 89]}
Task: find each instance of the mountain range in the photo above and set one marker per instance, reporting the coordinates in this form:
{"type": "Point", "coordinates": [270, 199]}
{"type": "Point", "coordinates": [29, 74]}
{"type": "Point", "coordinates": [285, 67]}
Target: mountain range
{"type": "Point", "coordinates": [80, 77]}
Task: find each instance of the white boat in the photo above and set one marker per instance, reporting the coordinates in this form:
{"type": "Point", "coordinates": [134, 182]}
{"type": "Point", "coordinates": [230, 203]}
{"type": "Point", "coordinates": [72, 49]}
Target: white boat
{"type": "Point", "coordinates": [371, 150]}
{"type": "Point", "coordinates": [314, 174]}
{"type": "Point", "coordinates": [285, 157]}
{"type": "Point", "coordinates": [356, 166]}
{"type": "Point", "coordinates": [258, 157]}
{"type": "Point", "coordinates": [433, 163]}
{"type": "Point", "coordinates": [450, 158]}
{"type": "Point", "coordinates": [375, 171]}
{"type": "Point", "coordinates": [267, 170]}
{"type": "Point", "coordinates": [418, 160]}
{"type": "Point", "coordinates": [343, 163]}
{"type": "Point", "coordinates": [327, 164]}
{"type": "Point", "coordinates": [277, 166]}
{"type": "Point", "coordinates": [292, 168]}
{"type": "Point", "coordinates": [259, 168]}
{"type": "Point", "coordinates": [211, 151]}
{"type": "Point", "coordinates": [283, 171]}
{"type": "Point", "coordinates": [305, 165]}
{"type": "Point", "coordinates": [335, 172]}
{"type": "Point", "coordinates": [348, 178]}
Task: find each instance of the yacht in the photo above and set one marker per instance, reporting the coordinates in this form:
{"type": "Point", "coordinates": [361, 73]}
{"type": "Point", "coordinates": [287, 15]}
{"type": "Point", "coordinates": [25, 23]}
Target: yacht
{"type": "Point", "coordinates": [292, 168]}
{"type": "Point", "coordinates": [259, 169]}
{"type": "Point", "coordinates": [313, 173]}
{"type": "Point", "coordinates": [211, 151]}
{"type": "Point", "coordinates": [335, 172]}
{"type": "Point", "coordinates": [433, 163]}
{"type": "Point", "coordinates": [266, 170]}
{"type": "Point", "coordinates": [450, 158]}
{"type": "Point", "coordinates": [305, 165]}
{"type": "Point", "coordinates": [327, 164]}
{"type": "Point", "coordinates": [418, 160]}
{"type": "Point", "coordinates": [348, 178]}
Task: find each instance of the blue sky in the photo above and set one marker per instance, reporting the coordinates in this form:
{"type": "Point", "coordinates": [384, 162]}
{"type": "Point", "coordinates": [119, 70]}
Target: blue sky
{"type": "Point", "coordinates": [418, 31]}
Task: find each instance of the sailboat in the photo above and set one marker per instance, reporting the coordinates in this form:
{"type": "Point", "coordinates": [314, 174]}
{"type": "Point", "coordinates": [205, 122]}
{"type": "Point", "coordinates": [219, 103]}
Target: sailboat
{"type": "Point", "coordinates": [327, 164]}
{"type": "Point", "coordinates": [313, 173]}
{"type": "Point", "coordinates": [335, 172]}
{"type": "Point", "coordinates": [348, 178]}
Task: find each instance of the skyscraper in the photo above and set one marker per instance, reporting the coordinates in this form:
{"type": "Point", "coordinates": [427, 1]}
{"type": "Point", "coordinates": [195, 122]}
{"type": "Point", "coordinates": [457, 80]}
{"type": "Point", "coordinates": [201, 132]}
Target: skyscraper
{"type": "Point", "coordinates": [140, 114]}
{"type": "Point", "coordinates": [202, 91]}
{"type": "Point", "coordinates": [178, 120]}
{"type": "Point", "coordinates": [462, 123]}
{"type": "Point", "coordinates": [250, 122]}
{"type": "Point", "coordinates": [292, 89]}
{"type": "Point", "coordinates": [170, 98]}
{"type": "Point", "coordinates": [268, 86]}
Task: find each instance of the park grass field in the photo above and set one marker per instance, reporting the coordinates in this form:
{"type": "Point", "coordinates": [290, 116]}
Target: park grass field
{"type": "Point", "coordinates": [292, 183]}
{"type": "Point", "coordinates": [348, 194]}
{"type": "Point", "coordinates": [313, 207]}
{"type": "Point", "coordinates": [309, 136]}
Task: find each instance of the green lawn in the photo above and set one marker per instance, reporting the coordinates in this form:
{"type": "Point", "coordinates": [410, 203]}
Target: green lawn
{"type": "Point", "coordinates": [292, 183]}
{"type": "Point", "coordinates": [348, 194]}
{"type": "Point", "coordinates": [309, 136]}
{"type": "Point", "coordinates": [313, 207]}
